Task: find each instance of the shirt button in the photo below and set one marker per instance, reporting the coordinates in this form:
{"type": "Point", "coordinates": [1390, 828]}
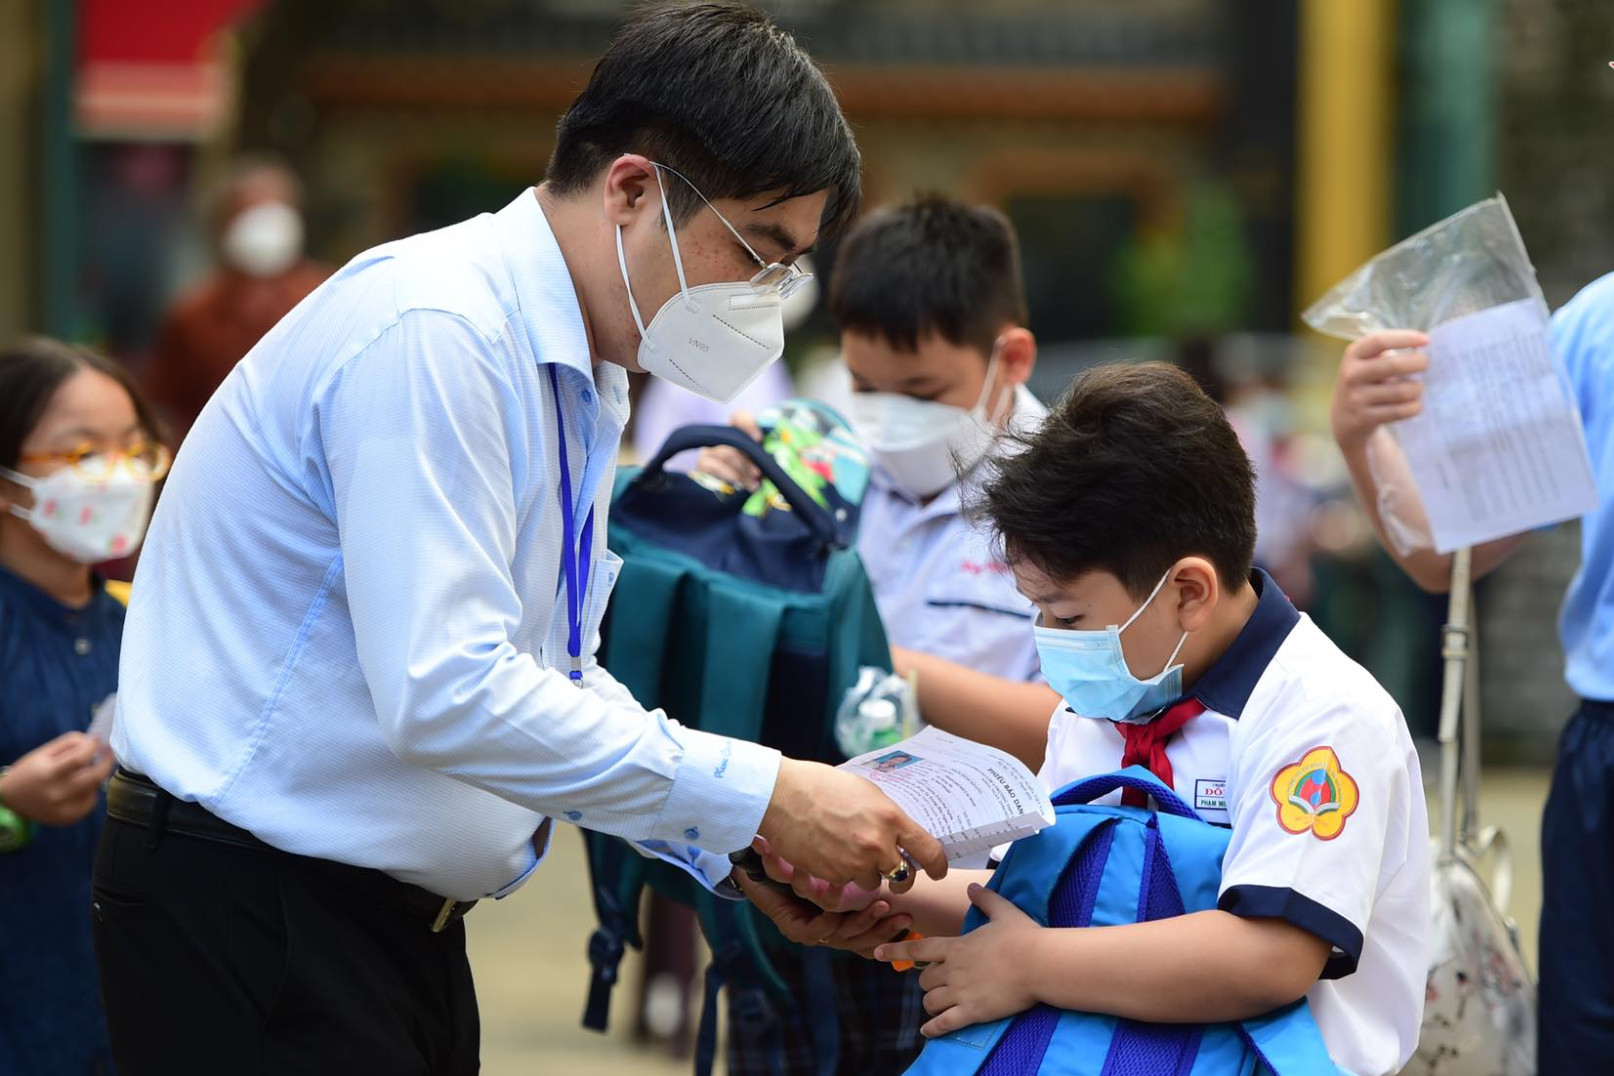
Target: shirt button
{"type": "Point", "coordinates": [692, 834]}
{"type": "Point", "coordinates": [588, 396]}
{"type": "Point", "coordinates": [81, 647]}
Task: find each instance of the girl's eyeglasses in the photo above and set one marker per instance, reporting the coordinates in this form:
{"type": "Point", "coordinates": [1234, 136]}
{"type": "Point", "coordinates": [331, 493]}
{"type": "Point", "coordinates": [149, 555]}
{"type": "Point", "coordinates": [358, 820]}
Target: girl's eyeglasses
{"type": "Point", "coordinates": [149, 459]}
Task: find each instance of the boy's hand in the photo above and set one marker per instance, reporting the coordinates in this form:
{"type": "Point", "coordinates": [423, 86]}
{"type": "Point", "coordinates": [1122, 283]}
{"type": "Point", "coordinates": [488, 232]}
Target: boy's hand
{"type": "Point", "coordinates": [978, 977]}
{"type": "Point", "coordinates": [1377, 384]}
{"type": "Point", "coordinates": [729, 464]}
{"type": "Point", "coordinates": [807, 924]}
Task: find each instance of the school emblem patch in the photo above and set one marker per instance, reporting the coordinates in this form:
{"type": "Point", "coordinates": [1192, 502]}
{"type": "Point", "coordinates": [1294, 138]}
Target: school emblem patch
{"type": "Point", "coordinates": [1315, 794]}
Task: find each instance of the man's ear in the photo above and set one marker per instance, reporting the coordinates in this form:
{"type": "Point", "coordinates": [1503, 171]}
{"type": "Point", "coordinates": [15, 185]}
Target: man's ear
{"type": "Point", "coordinates": [1199, 588]}
{"type": "Point", "coordinates": [630, 188]}
{"type": "Point", "coordinates": [1017, 355]}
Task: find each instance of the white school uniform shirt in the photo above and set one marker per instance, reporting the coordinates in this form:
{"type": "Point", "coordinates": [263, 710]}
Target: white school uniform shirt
{"type": "Point", "coordinates": [938, 584]}
{"type": "Point", "coordinates": [1283, 706]}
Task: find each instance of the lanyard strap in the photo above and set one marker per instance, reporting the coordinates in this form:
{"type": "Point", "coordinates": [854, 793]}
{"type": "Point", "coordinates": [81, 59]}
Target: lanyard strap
{"type": "Point", "coordinates": [576, 551]}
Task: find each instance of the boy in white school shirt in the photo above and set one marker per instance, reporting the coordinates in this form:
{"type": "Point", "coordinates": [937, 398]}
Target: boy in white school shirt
{"type": "Point", "coordinates": [931, 308]}
{"type": "Point", "coordinates": [1129, 522]}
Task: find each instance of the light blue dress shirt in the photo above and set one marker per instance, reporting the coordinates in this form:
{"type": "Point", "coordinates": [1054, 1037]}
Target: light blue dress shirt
{"type": "Point", "coordinates": [348, 631]}
{"type": "Point", "coordinates": [1583, 335]}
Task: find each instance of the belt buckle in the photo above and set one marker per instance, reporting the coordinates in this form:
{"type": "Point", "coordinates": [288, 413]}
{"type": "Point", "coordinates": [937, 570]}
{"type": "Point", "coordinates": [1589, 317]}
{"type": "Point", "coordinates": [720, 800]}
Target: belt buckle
{"type": "Point", "coordinates": [444, 913]}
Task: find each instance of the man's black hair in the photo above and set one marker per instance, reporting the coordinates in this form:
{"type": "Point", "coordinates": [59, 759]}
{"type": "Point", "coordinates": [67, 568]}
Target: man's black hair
{"type": "Point", "coordinates": [1134, 469]}
{"type": "Point", "coordinates": [932, 265]}
{"type": "Point", "coordinates": [719, 93]}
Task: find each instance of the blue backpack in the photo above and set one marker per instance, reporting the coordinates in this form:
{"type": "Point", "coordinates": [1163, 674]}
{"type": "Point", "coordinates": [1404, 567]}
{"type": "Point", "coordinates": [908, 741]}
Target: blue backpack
{"type": "Point", "coordinates": [1099, 866]}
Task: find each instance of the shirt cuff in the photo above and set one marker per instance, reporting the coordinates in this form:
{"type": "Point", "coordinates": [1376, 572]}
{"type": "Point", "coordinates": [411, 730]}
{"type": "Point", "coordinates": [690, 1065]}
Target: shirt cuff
{"type": "Point", "coordinates": [1276, 902]}
{"type": "Point", "coordinates": [720, 792]}
{"type": "Point", "coordinates": [708, 868]}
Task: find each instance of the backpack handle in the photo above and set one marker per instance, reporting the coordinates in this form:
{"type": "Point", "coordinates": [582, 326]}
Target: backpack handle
{"type": "Point", "coordinates": [816, 518]}
{"type": "Point", "coordinates": [1134, 777]}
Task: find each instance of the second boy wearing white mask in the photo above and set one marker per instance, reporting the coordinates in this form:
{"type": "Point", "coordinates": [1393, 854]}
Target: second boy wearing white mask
{"type": "Point", "coordinates": [932, 314]}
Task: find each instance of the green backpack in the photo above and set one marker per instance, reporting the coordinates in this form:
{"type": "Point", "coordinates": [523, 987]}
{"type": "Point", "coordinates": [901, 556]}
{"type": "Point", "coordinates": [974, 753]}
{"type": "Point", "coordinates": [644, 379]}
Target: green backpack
{"type": "Point", "coordinates": [744, 623]}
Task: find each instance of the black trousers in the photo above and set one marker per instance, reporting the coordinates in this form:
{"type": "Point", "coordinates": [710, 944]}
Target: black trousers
{"type": "Point", "coordinates": [219, 958]}
{"type": "Point", "coordinates": [1577, 930]}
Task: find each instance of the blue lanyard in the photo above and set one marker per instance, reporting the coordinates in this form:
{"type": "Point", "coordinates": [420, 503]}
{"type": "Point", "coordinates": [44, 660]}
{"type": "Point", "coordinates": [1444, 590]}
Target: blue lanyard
{"type": "Point", "coordinates": [576, 553]}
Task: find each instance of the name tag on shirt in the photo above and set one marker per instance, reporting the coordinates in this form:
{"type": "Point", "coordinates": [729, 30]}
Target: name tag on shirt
{"type": "Point", "coordinates": [1210, 798]}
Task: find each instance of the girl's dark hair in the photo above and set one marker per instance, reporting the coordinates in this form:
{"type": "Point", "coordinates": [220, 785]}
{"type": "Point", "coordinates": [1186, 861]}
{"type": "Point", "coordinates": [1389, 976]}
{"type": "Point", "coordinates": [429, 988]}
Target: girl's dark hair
{"type": "Point", "coordinates": [718, 92]}
{"type": "Point", "coordinates": [1134, 469]}
{"type": "Point", "coordinates": [32, 369]}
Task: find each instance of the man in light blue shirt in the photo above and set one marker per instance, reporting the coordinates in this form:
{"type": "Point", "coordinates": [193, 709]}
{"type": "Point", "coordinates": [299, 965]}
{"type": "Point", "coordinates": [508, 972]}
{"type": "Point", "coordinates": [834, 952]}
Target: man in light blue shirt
{"type": "Point", "coordinates": [1377, 385]}
{"type": "Point", "coordinates": [358, 680]}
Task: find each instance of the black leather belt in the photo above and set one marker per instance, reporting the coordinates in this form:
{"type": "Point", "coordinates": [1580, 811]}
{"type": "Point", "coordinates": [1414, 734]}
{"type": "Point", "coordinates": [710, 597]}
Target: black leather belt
{"type": "Point", "coordinates": [138, 801]}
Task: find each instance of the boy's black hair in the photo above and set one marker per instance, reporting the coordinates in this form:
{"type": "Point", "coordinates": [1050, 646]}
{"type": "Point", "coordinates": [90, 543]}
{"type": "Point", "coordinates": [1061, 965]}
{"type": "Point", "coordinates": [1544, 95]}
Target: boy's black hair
{"type": "Point", "coordinates": [32, 369]}
{"type": "Point", "coordinates": [931, 265]}
{"type": "Point", "coordinates": [719, 93]}
{"type": "Point", "coordinates": [1134, 469]}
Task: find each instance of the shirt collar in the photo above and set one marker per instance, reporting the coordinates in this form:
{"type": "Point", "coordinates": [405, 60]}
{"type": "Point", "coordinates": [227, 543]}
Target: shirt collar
{"type": "Point", "coordinates": [549, 312]}
{"type": "Point", "coordinates": [1226, 686]}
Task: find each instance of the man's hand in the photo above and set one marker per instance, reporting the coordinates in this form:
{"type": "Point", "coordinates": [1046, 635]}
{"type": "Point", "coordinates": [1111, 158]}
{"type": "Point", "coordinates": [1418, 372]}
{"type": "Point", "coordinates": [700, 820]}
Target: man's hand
{"type": "Point", "coordinates": [840, 828]}
{"type": "Point", "coordinates": [807, 924]}
{"type": "Point", "coordinates": [978, 977]}
{"type": "Point", "coordinates": [730, 464]}
{"type": "Point", "coordinates": [831, 898]}
{"type": "Point", "coordinates": [57, 784]}
{"type": "Point", "coordinates": [1377, 384]}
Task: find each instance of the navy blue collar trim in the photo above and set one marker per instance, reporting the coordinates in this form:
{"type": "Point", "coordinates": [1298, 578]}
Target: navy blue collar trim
{"type": "Point", "coordinates": [1225, 688]}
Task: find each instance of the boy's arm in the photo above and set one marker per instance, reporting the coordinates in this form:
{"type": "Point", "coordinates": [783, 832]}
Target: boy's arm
{"type": "Point", "coordinates": [1206, 967]}
{"type": "Point", "coordinates": [936, 907]}
{"type": "Point", "coordinates": [1011, 715]}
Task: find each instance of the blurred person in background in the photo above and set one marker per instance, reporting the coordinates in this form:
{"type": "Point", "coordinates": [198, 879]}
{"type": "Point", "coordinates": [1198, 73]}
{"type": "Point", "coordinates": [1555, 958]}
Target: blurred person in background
{"type": "Point", "coordinates": [262, 273]}
{"type": "Point", "coordinates": [1378, 383]}
{"type": "Point", "coordinates": [79, 455]}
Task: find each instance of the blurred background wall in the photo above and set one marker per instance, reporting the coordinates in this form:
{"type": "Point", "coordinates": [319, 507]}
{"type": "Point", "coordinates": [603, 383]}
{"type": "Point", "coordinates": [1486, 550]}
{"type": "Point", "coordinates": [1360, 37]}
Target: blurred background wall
{"type": "Point", "coordinates": [1185, 174]}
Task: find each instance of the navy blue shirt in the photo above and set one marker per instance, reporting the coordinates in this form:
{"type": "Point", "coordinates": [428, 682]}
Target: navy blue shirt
{"type": "Point", "coordinates": [56, 665]}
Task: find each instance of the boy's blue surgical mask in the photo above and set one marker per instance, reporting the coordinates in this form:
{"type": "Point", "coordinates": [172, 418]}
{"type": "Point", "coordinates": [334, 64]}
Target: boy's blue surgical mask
{"type": "Point", "coordinates": [1089, 670]}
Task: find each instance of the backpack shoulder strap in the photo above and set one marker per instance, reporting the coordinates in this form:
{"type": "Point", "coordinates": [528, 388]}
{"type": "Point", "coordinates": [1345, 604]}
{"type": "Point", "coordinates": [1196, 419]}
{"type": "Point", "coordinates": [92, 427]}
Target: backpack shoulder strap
{"type": "Point", "coordinates": [1289, 1043]}
{"type": "Point", "coordinates": [617, 874]}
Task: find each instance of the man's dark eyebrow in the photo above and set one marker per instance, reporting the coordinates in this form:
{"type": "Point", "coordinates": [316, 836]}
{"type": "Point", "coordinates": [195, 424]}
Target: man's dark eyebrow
{"type": "Point", "coordinates": [778, 235]}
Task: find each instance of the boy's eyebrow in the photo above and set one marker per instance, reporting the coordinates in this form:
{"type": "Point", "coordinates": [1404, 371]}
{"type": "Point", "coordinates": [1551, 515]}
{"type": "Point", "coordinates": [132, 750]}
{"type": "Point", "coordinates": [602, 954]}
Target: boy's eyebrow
{"type": "Point", "coordinates": [778, 235]}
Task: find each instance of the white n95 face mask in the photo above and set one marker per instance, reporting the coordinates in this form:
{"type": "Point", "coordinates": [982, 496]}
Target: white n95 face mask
{"type": "Point", "coordinates": [714, 339]}
{"type": "Point", "coordinates": [265, 240]}
{"type": "Point", "coordinates": [924, 445]}
{"type": "Point", "coordinates": [90, 517]}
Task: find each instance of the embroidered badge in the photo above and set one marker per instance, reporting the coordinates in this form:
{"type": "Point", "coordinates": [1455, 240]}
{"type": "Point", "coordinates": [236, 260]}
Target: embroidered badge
{"type": "Point", "coordinates": [1315, 794]}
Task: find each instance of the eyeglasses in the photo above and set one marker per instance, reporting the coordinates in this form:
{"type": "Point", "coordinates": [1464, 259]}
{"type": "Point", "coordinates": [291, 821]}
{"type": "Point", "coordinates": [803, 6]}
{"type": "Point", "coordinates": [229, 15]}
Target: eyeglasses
{"type": "Point", "coordinates": [150, 459]}
{"type": "Point", "coordinates": [773, 276]}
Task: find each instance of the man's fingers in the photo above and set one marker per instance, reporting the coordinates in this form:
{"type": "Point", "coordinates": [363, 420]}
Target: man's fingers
{"type": "Point", "coordinates": [924, 849]}
{"type": "Point", "coordinates": [1383, 413]}
{"type": "Point", "coordinates": [89, 776]}
{"type": "Point", "coordinates": [864, 944]}
{"type": "Point", "coordinates": [1375, 344]}
{"type": "Point", "coordinates": [921, 951]}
